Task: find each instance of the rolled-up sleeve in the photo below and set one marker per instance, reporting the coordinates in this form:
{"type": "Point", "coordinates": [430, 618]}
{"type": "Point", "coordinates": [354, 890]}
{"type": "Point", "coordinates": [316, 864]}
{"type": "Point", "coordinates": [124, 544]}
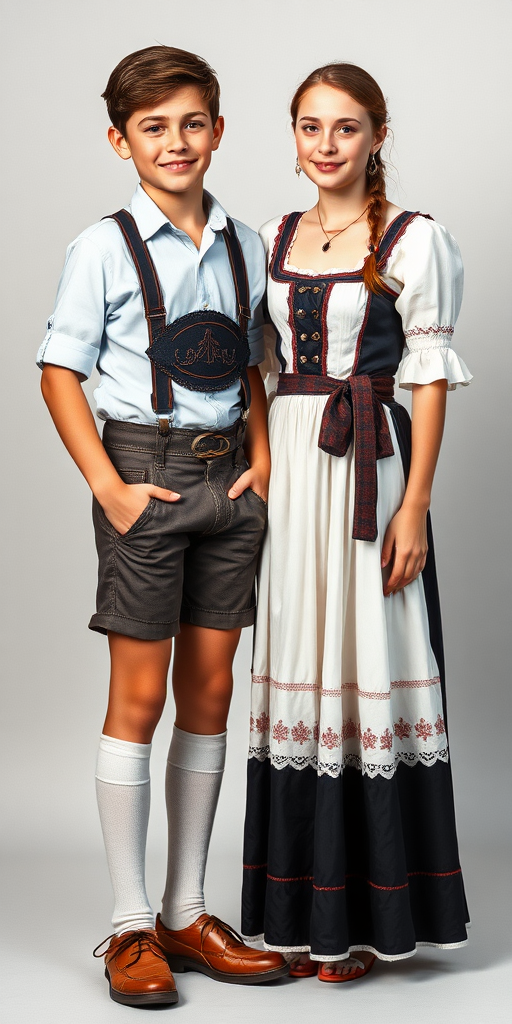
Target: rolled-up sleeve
{"type": "Point", "coordinates": [75, 330]}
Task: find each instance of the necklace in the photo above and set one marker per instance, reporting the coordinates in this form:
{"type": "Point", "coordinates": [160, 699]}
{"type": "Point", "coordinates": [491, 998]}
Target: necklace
{"type": "Point", "coordinates": [328, 243]}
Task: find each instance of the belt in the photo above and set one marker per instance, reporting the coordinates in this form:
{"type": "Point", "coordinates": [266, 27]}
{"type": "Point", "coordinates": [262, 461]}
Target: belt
{"type": "Point", "coordinates": [352, 412]}
{"type": "Point", "coordinates": [208, 444]}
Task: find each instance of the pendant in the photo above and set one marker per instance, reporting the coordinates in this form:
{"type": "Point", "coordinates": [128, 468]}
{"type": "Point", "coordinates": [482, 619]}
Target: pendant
{"type": "Point", "coordinates": [326, 246]}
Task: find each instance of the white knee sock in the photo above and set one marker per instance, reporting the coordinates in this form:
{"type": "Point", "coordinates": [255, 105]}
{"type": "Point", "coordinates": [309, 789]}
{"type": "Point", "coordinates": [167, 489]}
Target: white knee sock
{"type": "Point", "coordinates": [123, 792]}
{"type": "Point", "coordinates": [195, 765]}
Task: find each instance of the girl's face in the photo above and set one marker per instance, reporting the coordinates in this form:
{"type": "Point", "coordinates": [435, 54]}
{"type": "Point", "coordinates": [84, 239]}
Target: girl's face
{"type": "Point", "coordinates": [334, 137]}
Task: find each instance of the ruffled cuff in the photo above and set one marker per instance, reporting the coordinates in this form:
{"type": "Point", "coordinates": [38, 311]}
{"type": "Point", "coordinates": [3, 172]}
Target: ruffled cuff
{"type": "Point", "coordinates": [429, 364]}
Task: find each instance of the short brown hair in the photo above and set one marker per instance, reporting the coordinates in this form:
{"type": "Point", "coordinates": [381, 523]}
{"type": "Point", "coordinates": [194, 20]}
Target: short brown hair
{"type": "Point", "coordinates": [146, 76]}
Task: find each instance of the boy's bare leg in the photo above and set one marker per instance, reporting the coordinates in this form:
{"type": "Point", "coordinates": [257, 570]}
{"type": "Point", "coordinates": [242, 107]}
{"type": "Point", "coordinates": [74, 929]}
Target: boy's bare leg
{"type": "Point", "coordinates": [202, 678]}
{"type": "Point", "coordinates": [138, 687]}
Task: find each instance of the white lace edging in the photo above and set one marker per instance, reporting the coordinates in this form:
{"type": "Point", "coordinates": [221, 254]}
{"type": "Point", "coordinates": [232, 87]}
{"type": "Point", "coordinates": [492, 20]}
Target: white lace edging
{"type": "Point", "coordinates": [423, 366]}
{"type": "Point", "coordinates": [334, 769]}
{"type": "Point", "coordinates": [353, 949]}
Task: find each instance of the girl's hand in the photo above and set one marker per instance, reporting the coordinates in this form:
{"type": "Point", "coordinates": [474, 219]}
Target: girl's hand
{"type": "Point", "coordinates": [127, 502]}
{"type": "Point", "coordinates": [256, 478]}
{"type": "Point", "coordinates": [405, 548]}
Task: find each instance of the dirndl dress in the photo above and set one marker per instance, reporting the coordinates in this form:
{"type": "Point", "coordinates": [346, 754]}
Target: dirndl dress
{"type": "Point", "coordinates": [350, 840]}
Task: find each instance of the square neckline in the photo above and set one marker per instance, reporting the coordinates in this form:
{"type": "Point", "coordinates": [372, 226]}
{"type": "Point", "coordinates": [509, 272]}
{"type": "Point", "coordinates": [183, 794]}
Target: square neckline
{"type": "Point", "coordinates": [331, 271]}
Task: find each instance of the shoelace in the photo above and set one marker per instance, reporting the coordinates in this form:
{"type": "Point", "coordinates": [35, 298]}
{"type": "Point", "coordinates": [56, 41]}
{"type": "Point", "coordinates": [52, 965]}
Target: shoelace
{"type": "Point", "coordinates": [144, 942]}
{"type": "Point", "coordinates": [215, 924]}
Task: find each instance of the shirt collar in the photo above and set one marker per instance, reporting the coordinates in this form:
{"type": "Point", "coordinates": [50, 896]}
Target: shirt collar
{"type": "Point", "coordinates": [149, 217]}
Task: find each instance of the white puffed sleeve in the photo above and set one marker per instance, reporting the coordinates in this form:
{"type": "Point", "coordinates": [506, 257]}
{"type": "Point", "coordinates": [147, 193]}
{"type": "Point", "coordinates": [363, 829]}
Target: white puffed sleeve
{"type": "Point", "coordinates": [428, 265]}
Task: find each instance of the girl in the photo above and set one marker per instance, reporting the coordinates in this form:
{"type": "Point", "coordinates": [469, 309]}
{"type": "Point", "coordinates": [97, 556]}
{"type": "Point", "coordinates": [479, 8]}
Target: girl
{"type": "Point", "coordinates": [350, 842]}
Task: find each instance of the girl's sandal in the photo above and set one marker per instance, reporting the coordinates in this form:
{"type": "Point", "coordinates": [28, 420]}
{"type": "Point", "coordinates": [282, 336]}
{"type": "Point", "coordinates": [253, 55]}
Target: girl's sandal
{"type": "Point", "coordinates": [360, 971]}
{"type": "Point", "coordinates": [303, 967]}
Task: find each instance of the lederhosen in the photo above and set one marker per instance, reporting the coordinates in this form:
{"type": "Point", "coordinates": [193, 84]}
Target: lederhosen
{"type": "Point", "coordinates": [192, 561]}
{"type": "Point", "coordinates": [202, 351]}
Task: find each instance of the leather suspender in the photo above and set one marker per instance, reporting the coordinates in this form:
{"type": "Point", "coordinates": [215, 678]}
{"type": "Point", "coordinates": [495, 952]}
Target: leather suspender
{"type": "Point", "coordinates": [154, 308]}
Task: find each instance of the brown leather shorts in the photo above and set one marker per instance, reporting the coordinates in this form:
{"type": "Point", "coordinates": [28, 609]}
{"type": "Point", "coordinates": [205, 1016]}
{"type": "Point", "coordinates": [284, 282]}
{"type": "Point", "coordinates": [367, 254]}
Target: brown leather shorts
{"type": "Point", "coordinates": [190, 561]}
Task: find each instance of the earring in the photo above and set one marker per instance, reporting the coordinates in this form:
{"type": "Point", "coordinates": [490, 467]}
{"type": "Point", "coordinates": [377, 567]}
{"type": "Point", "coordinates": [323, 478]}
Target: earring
{"type": "Point", "coordinates": [371, 166]}
{"type": "Point", "coordinates": [298, 168]}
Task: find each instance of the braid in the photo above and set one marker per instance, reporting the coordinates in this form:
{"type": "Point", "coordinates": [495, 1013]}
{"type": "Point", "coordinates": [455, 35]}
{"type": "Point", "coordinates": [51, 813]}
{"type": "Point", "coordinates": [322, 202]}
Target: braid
{"type": "Point", "coordinates": [374, 217]}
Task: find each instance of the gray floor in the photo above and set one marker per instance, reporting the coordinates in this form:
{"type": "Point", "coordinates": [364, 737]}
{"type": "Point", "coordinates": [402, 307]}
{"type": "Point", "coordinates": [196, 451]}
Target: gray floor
{"type": "Point", "coordinates": [51, 977]}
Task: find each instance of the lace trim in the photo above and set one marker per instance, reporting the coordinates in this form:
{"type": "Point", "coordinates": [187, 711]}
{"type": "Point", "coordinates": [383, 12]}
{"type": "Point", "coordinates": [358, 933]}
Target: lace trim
{"type": "Point", "coordinates": [353, 949]}
{"type": "Point", "coordinates": [349, 760]}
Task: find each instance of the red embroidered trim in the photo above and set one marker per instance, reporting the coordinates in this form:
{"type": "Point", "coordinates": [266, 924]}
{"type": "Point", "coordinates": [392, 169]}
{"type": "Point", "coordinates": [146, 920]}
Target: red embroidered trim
{"type": "Point", "coordinates": [277, 241]}
{"type": "Point", "coordinates": [329, 888]}
{"type": "Point", "coordinates": [387, 252]}
{"type": "Point", "coordinates": [434, 874]}
{"type": "Point", "coordinates": [291, 324]}
{"type": "Point", "coordinates": [325, 305]}
{"type": "Point", "coordinates": [397, 683]}
{"type": "Point", "coordinates": [253, 867]}
{"type": "Point", "coordinates": [312, 687]}
{"type": "Point", "coordinates": [415, 332]}
{"type": "Point", "coordinates": [301, 878]}
{"type": "Point", "coordinates": [361, 878]}
{"type": "Point", "coordinates": [285, 686]}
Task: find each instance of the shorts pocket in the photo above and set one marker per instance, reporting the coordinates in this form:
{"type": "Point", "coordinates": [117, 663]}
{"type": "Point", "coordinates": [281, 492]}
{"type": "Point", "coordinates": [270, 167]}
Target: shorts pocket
{"type": "Point", "coordinates": [258, 496]}
{"type": "Point", "coordinates": [139, 522]}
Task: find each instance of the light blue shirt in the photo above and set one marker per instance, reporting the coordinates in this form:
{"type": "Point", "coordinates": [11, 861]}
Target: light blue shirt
{"type": "Point", "coordinates": [99, 313]}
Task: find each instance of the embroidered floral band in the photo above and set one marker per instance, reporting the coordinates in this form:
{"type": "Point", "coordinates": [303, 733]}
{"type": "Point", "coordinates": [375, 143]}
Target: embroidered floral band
{"type": "Point", "coordinates": [353, 408]}
{"type": "Point", "coordinates": [368, 731]}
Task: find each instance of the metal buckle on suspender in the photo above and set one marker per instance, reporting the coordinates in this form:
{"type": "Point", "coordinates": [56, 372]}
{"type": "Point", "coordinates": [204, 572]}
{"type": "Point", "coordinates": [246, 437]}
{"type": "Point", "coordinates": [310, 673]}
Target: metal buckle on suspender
{"type": "Point", "coordinates": [244, 311]}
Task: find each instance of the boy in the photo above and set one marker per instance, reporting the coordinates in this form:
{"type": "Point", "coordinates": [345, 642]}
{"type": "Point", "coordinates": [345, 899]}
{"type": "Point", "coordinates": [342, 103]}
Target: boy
{"type": "Point", "coordinates": [179, 504]}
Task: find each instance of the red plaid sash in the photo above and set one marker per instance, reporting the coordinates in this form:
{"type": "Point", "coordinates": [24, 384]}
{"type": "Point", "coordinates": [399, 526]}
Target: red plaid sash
{"type": "Point", "coordinates": [353, 412]}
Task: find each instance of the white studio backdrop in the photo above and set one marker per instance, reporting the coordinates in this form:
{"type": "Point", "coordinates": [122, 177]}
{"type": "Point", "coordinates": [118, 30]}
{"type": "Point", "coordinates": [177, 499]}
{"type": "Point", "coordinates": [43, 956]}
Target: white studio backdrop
{"type": "Point", "coordinates": [443, 67]}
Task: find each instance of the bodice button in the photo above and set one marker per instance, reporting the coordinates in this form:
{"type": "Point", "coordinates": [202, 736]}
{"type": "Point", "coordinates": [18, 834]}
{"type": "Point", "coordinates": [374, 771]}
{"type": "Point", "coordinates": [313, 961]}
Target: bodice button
{"type": "Point", "coordinates": [315, 336]}
{"type": "Point", "coordinates": [303, 337]}
{"type": "Point", "coordinates": [301, 313]}
{"type": "Point", "coordinates": [315, 359]}
{"type": "Point", "coordinates": [303, 359]}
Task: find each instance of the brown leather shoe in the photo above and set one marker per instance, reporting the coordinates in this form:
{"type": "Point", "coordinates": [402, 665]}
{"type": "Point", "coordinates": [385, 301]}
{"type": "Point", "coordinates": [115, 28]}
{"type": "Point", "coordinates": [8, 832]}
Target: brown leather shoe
{"type": "Point", "coordinates": [215, 949]}
{"type": "Point", "coordinates": [137, 969]}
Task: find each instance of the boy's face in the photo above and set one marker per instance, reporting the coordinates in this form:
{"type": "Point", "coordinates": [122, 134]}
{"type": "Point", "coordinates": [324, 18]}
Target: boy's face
{"type": "Point", "coordinates": [170, 143]}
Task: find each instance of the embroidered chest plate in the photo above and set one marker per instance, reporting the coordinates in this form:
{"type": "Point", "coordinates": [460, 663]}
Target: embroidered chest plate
{"type": "Point", "coordinates": [201, 351]}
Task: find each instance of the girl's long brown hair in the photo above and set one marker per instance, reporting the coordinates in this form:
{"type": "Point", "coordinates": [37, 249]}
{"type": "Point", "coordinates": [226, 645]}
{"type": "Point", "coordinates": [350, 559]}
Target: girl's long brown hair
{"type": "Point", "coordinates": [364, 89]}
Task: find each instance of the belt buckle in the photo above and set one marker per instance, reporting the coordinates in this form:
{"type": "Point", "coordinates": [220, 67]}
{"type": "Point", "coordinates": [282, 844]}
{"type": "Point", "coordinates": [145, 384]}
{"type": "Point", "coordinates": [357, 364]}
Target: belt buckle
{"type": "Point", "coordinates": [210, 453]}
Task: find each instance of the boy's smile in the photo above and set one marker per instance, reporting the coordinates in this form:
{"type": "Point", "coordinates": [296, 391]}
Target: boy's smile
{"type": "Point", "coordinates": [171, 142]}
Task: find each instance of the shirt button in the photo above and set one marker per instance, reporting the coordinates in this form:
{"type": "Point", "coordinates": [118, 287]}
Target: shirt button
{"type": "Point", "coordinates": [205, 305]}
